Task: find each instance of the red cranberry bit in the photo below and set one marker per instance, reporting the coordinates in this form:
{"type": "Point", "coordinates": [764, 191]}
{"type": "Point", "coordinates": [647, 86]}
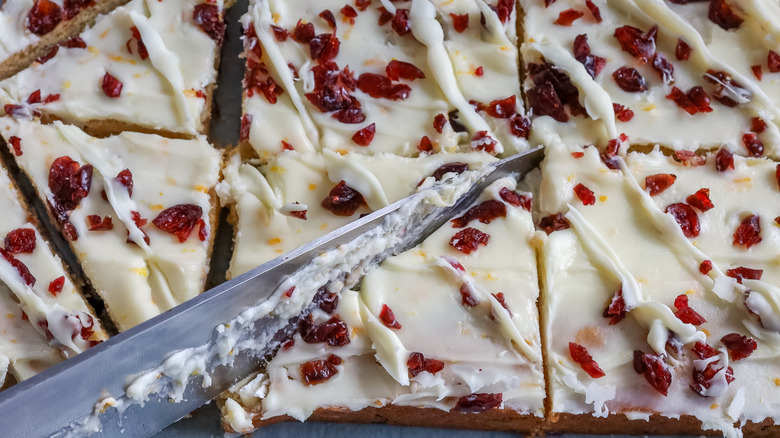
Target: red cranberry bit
{"type": "Point", "coordinates": [438, 122]}
{"type": "Point", "coordinates": [554, 222]}
{"type": "Point", "coordinates": [377, 86]}
{"type": "Point", "coordinates": [318, 371]}
{"type": "Point", "coordinates": [623, 113]}
{"type": "Point", "coordinates": [519, 126]}
{"type": "Point", "coordinates": [479, 71]}
{"type": "Point", "coordinates": [655, 370]}
{"type": "Point", "coordinates": [208, 18]}
{"type": "Point", "coordinates": [20, 240]}
{"type": "Point", "coordinates": [362, 4]}
{"type": "Point", "coordinates": [96, 223]}
{"type": "Point", "coordinates": [705, 267]}
{"type": "Point", "coordinates": [686, 217]}
{"type": "Point", "coordinates": [567, 17]}
{"type": "Point", "coordinates": [34, 97]}
{"type": "Point", "coordinates": [303, 33]}
{"type": "Point", "coordinates": [695, 101]}
{"type": "Point", "coordinates": [502, 108]}
{"type": "Point", "coordinates": [388, 318]}
{"type": "Point", "coordinates": [324, 47]}
{"type": "Point", "coordinates": [384, 16]}
{"type": "Point", "coordinates": [111, 86]}
{"type": "Point", "coordinates": [547, 3]}
{"type": "Point", "coordinates": [136, 41]}
{"type": "Point", "coordinates": [552, 90]}
{"type": "Point", "coordinates": [468, 240]}
{"type": "Point", "coordinates": [466, 298]}
{"type": "Point", "coordinates": [594, 10]}
{"type": "Point", "coordinates": [418, 363]}
{"type": "Point", "coordinates": [75, 42]}
{"type": "Point", "coordinates": [333, 332]}
{"type": "Point", "coordinates": [663, 67]}
{"type": "Point", "coordinates": [757, 72]}
{"type": "Point", "coordinates": [56, 285]}
{"type": "Point", "coordinates": [773, 61]}
{"type": "Point", "coordinates": [723, 15]}
{"type": "Point", "coordinates": [125, 177]}
{"type": "Point", "coordinates": [580, 355]}
{"type": "Point", "coordinates": [329, 18]}
{"type": "Point", "coordinates": [485, 212]}
{"type": "Point", "coordinates": [20, 267]}
{"type": "Point", "coordinates": [700, 200]}
{"type": "Point", "coordinates": [479, 402]}
{"type": "Point", "coordinates": [425, 145]}
{"type": "Point", "coordinates": [246, 125]}
{"type": "Point", "coordinates": [403, 70]}
{"type": "Point", "coordinates": [400, 22]}
{"type": "Point", "coordinates": [73, 7]}
{"type": "Point", "coordinates": [578, 154]}
{"type": "Point", "coordinates": [179, 220]}
{"type": "Point", "coordinates": [739, 346]}
{"type": "Point", "coordinates": [203, 232]}
{"type": "Point", "coordinates": [69, 183]}
{"type": "Point", "coordinates": [51, 54]}
{"type": "Point", "coordinates": [503, 9]}
{"type": "Point", "coordinates": [280, 33]}
{"type": "Point", "coordinates": [629, 80]}
{"type": "Point", "coordinates": [584, 194]}
{"type": "Point", "coordinates": [753, 145]}
{"type": "Point", "coordinates": [748, 233]}
{"type": "Point", "coordinates": [741, 273]}
{"type": "Point", "coordinates": [636, 42]}
{"type": "Point", "coordinates": [724, 85]}
{"type": "Point", "coordinates": [51, 98]}
{"type": "Point", "coordinates": [343, 200]}
{"type": "Point", "coordinates": [502, 300]}
{"type": "Point", "coordinates": [365, 136]}
{"type": "Point", "coordinates": [686, 314]}
{"type": "Point", "coordinates": [658, 183]}
{"type": "Point", "coordinates": [16, 144]}
{"type": "Point", "coordinates": [683, 51]}
{"type": "Point", "coordinates": [456, 168]}
{"type": "Point", "coordinates": [690, 159]}
{"type": "Point", "coordinates": [702, 378]}
{"type": "Point", "coordinates": [513, 198]}
{"type": "Point", "coordinates": [460, 22]}
{"type": "Point", "coordinates": [257, 79]}
{"type": "Point", "coordinates": [757, 125]}
{"type": "Point", "coordinates": [288, 344]}
{"type": "Point", "coordinates": [349, 12]}
{"type": "Point", "coordinates": [616, 310]}
{"type": "Point", "coordinates": [43, 17]}
{"type": "Point", "coordinates": [481, 141]}
{"type": "Point", "coordinates": [593, 64]}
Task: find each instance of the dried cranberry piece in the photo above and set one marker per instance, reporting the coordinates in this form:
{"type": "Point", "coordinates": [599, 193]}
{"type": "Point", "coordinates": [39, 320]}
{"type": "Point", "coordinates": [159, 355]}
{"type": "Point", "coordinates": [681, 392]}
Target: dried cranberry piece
{"type": "Point", "coordinates": [56, 285]}
{"type": "Point", "coordinates": [438, 122]}
{"type": "Point", "coordinates": [362, 4]}
{"type": "Point", "coordinates": [695, 101]}
{"type": "Point", "coordinates": [179, 220]}
{"type": "Point", "coordinates": [623, 113]}
{"type": "Point", "coordinates": [125, 177]}
{"type": "Point", "coordinates": [478, 402]}
{"type": "Point", "coordinates": [553, 222]}
{"type": "Point", "coordinates": [136, 41]}
{"type": "Point", "coordinates": [351, 115]}
{"type": "Point", "coordinates": [333, 332]}
{"type": "Point", "coordinates": [418, 363]}
{"type": "Point", "coordinates": [683, 51]}
{"type": "Point", "coordinates": [739, 346]}
{"type": "Point", "coordinates": [547, 3]}
{"type": "Point", "coordinates": [280, 33]}
{"type": "Point", "coordinates": [403, 70]}
{"type": "Point", "coordinates": [773, 61]}
{"type": "Point", "coordinates": [319, 371]}
{"type": "Point", "coordinates": [388, 318]}
{"type": "Point", "coordinates": [258, 79]}
{"type": "Point", "coordinates": [456, 168]}
{"type": "Point", "coordinates": [502, 108]}
{"type": "Point", "coordinates": [748, 233]}
{"type": "Point", "coordinates": [636, 42]}
{"type": "Point", "coordinates": [49, 55]}
{"type": "Point", "coordinates": [20, 240]}
{"type": "Point", "coordinates": [724, 85]}
{"type": "Point", "coordinates": [329, 18]}
{"type": "Point", "coordinates": [616, 310]}
{"type": "Point", "coordinates": [468, 240]}
{"type": "Point", "coordinates": [567, 17]}
{"type": "Point", "coordinates": [324, 47]}
{"type": "Point", "coordinates": [685, 313]}
{"type": "Point", "coordinates": [460, 22]}
{"type": "Point", "coordinates": [343, 200]}
{"type": "Point", "coordinates": [753, 145]}
{"type": "Point", "coordinates": [481, 141]}
{"type": "Point", "coordinates": [594, 10]}
{"type": "Point", "coordinates": [584, 194]}
{"type": "Point", "coordinates": [663, 67]}
{"type": "Point", "coordinates": [658, 183]}
{"type": "Point", "coordinates": [578, 154]}
{"type": "Point", "coordinates": [502, 300]}
{"type": "Point", "coordinates": [702, 377]}
{"type": "Point", "coordinates": [384, 16]}
{"type": "Point", "coordinates": [349, 12]}
{"type": "Point", "coordinates": [757, 125]}
{"type": "Point", "coordinates": [303, 32]}
{"type": "Point", "coordinates": [629, 80]}
{"type": "Point", "coordinates": [705, 267]}
{"type": "Point", "coordinates": [467, 299]}
{"type": "Point", "coordinates": [757, 72]}
{"type": "Point", "coordinates": [328, 301]}
{"type": "Point", "coordinates": [96, 223]}
{"type": "Point", "coordinates": [43, 17]}
{"type": "Point", "coordinates": [513, 198]}
{"type": "Point", "coordinates": [686, 217]}
{"type": "Point", "coordinates": [741, 273]}
{"type": "Point", "coordinates": [777, 175]}
{"type": "Point", "coordinates": [425, 145]}
{"type": "Point", "coordinates": [690, 159]}
{"type": "Point", "coordinates": [16, 144]}
{"type": "Point", "coordinates": [655, 370]}
{"type": "Point", "coordinates": [519, 126]}
{"type": "Point", "coordinates": [69, 183]}
{"type": "Point", "coordinates": [400, 22]}
{"type": "Point", "coordinates": [721, 13]}
{"type": "Point", "coordinates": [75, 42]}
{"type": "Point", "coordinates": [111, 86]}
{"type": "Point", "coordinates": [364, 136]}
{"type": "Point", "coordinates": [377, 86]}
{"type": "Point", "coordinates": [552, 90]}
{"type": "Point", "coordinates": [246, 125]}
{"type": "Point", "coordinates": [485, 212]}
{"type": "Point", "coordinates": [580, 355]}
{"type": "Point", "coordinates": [208, 18]}
{"type": "Point", "coordinates": [503, 9]}
{"type": "Point", "coordinates": [34, 97]}
{"type": "Point", "coordinates": [20, 267]}
{"type": "Point", "coordinates": [700, 200]}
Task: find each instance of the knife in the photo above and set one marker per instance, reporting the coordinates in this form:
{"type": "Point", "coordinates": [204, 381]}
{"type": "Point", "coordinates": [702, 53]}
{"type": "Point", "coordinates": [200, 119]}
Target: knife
{"type": "Point", "coordinates": [61, 400]}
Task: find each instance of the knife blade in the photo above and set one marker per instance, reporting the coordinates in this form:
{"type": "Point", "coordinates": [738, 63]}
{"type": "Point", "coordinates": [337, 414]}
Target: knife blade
{"type": "Point", "coordinates": [49, 403]}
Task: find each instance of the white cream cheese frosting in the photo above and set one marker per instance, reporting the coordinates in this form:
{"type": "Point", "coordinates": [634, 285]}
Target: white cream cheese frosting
{"type": "Point", "coordinates": [44, 322]}
{"type": "Point", "coordinates": [162, 59]}
{"type": "Point", "coordinates": [423, 289]}
{"type": "Point", "coordinates": [171, 184]}
{"type": "Point", "coordinates": [656, 118]}
{"type": "Point", "coordinates": [643, 252]}
{"type": "Point", "coordinates": [450, 68]}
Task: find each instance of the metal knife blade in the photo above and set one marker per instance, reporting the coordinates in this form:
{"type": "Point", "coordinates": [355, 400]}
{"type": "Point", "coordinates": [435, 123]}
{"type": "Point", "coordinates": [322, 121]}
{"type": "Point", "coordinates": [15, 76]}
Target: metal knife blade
{"type": "Point", "coordinates": [48, 403]}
